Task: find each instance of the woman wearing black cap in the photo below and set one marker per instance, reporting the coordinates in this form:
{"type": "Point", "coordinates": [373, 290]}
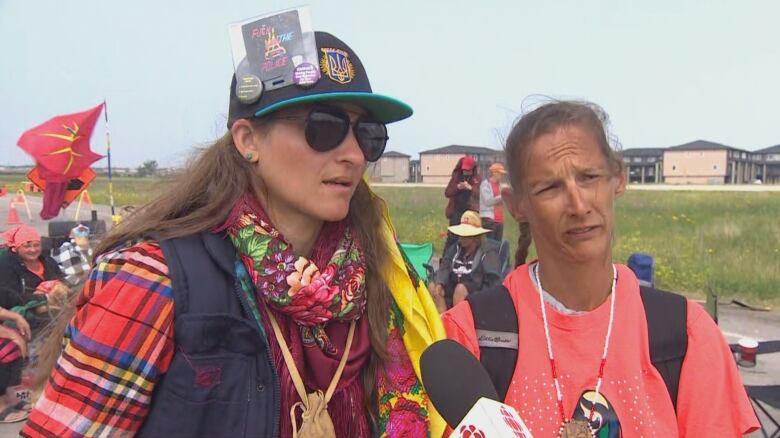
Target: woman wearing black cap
{"type": "Point", "coordinates": [263, 287]}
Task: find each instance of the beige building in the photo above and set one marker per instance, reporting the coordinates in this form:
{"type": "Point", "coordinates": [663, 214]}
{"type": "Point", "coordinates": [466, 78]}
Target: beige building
{"type": "Point", "coordinates": [392, 167]}
{"type": "Point", "coordinates": [705, 162]}
{"type": "Point", "coordinates": [436, 165]}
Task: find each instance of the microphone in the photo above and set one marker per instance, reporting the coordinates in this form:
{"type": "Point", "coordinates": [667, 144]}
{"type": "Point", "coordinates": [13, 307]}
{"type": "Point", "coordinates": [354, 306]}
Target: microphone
{"type": "Point", "coordinates": [454, 379]}
{"type": "Point", "coordinates": [461, 390]}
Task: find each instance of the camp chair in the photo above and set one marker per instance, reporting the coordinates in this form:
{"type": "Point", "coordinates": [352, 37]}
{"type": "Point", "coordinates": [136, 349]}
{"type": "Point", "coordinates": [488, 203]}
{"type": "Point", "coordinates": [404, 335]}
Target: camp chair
{"type": "Point", "coordinates": [764, 396]}
{"type": "Point", "coordinates": [503, 257]}
{"type": "Point", "coordinates": [643, 265]}
{"type": "Point", "coordinates": [419, 254]}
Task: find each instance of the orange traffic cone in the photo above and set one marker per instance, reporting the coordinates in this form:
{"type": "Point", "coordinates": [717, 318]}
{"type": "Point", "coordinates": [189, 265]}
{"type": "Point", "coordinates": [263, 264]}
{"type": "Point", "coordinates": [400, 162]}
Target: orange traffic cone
{"type": "Point", "coordinates": [19, 198]}
{"type": "Point", "coordinates": [3, 191]}
{"type": "Point", "coordinates": [86, 198]}
{"type": "Point", "coordinates": [13, 215]}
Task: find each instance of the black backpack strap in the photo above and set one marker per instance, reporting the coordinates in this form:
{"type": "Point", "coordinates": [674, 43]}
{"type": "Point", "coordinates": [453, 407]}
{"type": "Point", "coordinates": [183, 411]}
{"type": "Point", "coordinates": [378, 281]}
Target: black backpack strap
{"type": "Point", "coordinates": [667, 334]}
{"type": "Point", "coordinates": [495, 320]}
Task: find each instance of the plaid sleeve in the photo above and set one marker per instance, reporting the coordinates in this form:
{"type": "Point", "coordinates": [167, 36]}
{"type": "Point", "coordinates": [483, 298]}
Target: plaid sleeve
{"type": "Point", "coordinates": [73, 263]}
{"type": "Point", "coordinates": [116, 347]}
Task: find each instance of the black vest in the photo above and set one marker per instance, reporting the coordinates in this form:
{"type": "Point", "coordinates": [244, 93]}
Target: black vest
{"type": "Point", "coordinates": [221, 381]}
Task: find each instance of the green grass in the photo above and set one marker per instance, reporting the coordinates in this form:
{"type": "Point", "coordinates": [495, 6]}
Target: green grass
{"type": "Point", "coordinates": [727, 242]}
{"type": "Point", "coordinates": [127, 190]}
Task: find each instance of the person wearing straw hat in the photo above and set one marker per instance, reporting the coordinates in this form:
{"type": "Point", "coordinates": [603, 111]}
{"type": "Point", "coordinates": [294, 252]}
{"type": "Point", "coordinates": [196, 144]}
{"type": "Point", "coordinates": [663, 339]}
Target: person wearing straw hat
{"type": "Point", "coordinates": [264, 294]}
{"type": "Point", "coordinates": [491, 205]}
{"type": "Point", "coordinates": [470, 265]}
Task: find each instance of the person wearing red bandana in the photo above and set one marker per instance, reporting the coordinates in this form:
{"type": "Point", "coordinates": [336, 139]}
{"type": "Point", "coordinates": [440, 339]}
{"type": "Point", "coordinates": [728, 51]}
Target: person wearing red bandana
{"type": "Point", "coordinates": [265, 293]}
{"type": "Point", "coordinates": [583, 359]}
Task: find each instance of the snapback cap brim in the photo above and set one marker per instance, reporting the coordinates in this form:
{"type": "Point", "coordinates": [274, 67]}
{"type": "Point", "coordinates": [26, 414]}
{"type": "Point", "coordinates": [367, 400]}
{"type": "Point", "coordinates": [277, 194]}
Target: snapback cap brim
{"type": "Point", "coordinates": [385, 109]}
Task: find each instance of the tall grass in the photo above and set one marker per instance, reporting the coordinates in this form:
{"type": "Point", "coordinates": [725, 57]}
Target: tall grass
{"type": "Point", "coordinates": [727, 242]}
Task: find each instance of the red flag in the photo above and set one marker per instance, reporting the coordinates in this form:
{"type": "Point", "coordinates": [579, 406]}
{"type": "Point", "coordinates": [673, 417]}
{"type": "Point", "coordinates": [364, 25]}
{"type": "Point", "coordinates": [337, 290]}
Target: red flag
{"type": "Point", "coordinates": [60, 145]}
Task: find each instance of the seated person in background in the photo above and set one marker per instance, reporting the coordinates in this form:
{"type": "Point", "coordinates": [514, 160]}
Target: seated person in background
{"type": "Point", "coordinates": [13, 351]}
{"type": "Point", "coordinates": [471, 265]}
{"type": "Point", "coordinates": [23, 268]}
{"type": "Point", "coordinates": [74, 257]}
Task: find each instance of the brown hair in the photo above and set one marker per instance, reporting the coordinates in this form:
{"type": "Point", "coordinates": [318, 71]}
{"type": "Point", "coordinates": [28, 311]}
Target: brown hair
{"type": "Point", "coordinates": [546, 119]}
{"type": "Point", "coordinates": [203, 197]}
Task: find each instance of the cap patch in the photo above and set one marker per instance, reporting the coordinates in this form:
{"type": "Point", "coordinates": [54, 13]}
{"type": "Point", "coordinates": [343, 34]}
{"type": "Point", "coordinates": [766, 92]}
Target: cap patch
{"type": "Point", "coordinates": [336, 65]}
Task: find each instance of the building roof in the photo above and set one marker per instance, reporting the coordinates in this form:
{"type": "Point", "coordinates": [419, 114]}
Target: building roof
{"type": "Point", "coordinates": [770, 150]}
{"type": "Point", "coordinates": [457, 149]}
{"type": "Point", "coordinates": [703, 145]}
{"type": "Point", "coordinates": [643, 152]}
{"type": "Point", "coordinates": [394, 154]}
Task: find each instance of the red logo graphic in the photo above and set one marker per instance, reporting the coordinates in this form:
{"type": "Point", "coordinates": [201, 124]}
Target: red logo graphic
{"type": "Point", "coordinates": [511, 422]}
{"type": "Point", "coordinates": [470, 431]}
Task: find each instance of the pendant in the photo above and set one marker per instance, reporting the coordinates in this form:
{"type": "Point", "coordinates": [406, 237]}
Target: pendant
{"type": "Point", "coordinates": [576, 429]}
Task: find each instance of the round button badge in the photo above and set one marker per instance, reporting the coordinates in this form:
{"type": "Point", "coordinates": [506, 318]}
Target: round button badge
{"type": "Point", "coordinates": [306, 75]}
{"type": "Point", "coordinates": [249, 89]}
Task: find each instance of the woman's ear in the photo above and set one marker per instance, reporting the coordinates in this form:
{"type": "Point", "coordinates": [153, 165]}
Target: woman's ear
{"type": "Point", "coordinates": [513, 203]}
{"type": "Point", "coordinates": [245, 140]}
{"type": "Point", "coordinates": [621, 185]}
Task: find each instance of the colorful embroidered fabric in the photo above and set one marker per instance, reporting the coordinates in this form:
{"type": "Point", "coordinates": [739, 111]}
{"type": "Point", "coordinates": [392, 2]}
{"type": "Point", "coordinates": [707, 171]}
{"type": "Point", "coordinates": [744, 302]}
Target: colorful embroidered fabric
{"type": "Point", "coordinates": [296, 286]}
{"type": "Point", "coordinates": [403, 410]}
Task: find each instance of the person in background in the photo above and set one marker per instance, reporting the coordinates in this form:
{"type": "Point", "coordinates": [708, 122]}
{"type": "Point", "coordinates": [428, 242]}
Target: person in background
{"type": "Point", "coordinates": [583, 366]}
{"type": "Point", "coordinates": [24, 268]}
{"type": "Point", "coordinates": [491, 205]}
{"type": "Point", "coordinates": [75, 256]}
{"type": "Point", "coordinates": [14, 335]}
{"type": "Point", "coordinates": [462, 194]}
{"type": "Point", "coordinates": [470, 265]}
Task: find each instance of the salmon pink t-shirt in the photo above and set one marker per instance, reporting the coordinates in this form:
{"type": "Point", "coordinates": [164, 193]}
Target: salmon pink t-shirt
{"type": "Point", "coordinates": [633, 400]}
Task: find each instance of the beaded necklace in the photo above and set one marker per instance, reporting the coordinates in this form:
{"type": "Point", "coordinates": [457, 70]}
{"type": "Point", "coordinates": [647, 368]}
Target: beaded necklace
{"type": "Point", "coordinates": [569, 427]}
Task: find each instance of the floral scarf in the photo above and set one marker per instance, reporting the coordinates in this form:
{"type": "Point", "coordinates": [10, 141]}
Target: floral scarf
{"type": "Point", "coordinates": [295, 286]}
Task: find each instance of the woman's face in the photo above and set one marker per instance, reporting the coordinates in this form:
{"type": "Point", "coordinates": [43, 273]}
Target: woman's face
{"type": "Point", "coordinates": [301, 183]}
{"type": "Point", "coordinates": [29, 251]}
{"type": "Point", "coordinates": [568, 196]}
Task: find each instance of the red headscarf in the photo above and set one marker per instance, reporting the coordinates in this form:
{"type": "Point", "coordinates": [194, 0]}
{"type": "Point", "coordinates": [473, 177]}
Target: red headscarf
{"type": "Point", "coordinates": [18, 236]}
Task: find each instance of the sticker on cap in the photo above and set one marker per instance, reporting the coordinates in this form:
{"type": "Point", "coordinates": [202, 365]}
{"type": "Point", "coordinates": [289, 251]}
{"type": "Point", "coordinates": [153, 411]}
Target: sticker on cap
{"type": "Point", "coordinates": [306, 75]}
{"type": "Point", "coordinates": [336, 64]}
{"type": "Point", "coordinates": [249, 89]}
{"type": "Point", "coordinates": [271, 46]}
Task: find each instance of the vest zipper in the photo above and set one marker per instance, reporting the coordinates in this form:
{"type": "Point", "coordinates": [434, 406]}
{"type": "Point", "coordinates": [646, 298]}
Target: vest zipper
{"type": "Point", "coordinates": [275, 381]}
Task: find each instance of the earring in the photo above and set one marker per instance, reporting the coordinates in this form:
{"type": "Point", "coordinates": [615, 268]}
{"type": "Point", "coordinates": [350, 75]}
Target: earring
{"type": "Point", "coordinates": [249, 156]}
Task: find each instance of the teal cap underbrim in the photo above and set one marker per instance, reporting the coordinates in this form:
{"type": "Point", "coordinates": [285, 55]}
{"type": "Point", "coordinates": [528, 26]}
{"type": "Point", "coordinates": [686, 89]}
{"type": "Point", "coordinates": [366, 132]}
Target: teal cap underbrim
{"type": "Point", "coordinates": [385, 109]}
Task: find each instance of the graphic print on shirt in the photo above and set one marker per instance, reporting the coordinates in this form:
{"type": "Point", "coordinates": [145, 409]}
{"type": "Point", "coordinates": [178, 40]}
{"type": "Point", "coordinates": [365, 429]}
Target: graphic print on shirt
{"type": "Point", "coordinates": [605, 422]}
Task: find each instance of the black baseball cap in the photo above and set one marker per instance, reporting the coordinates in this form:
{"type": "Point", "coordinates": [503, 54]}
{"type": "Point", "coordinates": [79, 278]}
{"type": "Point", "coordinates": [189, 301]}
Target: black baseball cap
{"type": "Point", "coordinates": [349, 84]}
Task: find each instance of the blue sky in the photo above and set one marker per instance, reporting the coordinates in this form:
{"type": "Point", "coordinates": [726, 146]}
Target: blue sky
{"type": "Point", "coordinates": [667, 72]}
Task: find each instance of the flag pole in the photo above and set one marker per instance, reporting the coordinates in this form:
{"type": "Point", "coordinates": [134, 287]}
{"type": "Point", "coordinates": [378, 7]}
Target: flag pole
{"type": "Point", "coordinates": [108, 153]}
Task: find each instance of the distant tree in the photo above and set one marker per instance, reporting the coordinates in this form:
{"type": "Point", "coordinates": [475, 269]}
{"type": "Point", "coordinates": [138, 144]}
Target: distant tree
{"type": "Point", "coordinates": [149, 168]}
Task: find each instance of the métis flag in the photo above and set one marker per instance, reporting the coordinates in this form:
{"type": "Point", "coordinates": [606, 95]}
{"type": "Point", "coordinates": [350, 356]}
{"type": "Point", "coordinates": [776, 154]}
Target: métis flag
{"type": "Point", "coordinates": [61, 150]}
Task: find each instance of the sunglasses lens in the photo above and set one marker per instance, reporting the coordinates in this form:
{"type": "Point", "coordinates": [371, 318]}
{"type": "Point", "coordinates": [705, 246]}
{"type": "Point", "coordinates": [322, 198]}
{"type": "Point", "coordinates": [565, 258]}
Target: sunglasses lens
{"type": "Point", "coordinates": [372, 137]}
{"type": "Point", "coordinates": [325, 129]}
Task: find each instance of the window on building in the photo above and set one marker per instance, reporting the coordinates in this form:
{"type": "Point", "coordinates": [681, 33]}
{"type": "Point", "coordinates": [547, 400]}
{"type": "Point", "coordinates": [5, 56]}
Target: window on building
{"type": "Point", "coordinates": [674, 167]}
{"type": "Point", "coordinates": [714, 167]}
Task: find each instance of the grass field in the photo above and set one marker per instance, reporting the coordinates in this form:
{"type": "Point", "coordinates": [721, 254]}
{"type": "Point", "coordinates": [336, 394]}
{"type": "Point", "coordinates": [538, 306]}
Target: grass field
{"type": "Point", "coordinates": [727, 242]}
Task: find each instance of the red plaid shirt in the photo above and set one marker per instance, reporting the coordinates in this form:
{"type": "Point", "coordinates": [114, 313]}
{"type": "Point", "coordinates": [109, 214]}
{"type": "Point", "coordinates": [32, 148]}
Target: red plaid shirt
{"type": "Point", "coordinates": [117, 346]}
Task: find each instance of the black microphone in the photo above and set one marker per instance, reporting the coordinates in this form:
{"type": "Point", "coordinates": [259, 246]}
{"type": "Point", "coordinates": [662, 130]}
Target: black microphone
{"type": "Point", "coordinates": [454, 380]}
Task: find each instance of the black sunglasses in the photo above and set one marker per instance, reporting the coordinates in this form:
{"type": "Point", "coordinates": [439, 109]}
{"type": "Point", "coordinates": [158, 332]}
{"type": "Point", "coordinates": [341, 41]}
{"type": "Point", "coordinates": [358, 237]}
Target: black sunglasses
{"type": "Point", "coordinates": [326, 127]}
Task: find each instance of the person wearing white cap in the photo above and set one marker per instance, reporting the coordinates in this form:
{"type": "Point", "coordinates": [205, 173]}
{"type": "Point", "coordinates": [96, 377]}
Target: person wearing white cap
{"type": "Point", "coordinates": [471, 265]}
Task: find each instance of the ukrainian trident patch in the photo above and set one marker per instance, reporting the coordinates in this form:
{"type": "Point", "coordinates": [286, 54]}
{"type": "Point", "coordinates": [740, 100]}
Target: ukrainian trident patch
{"type": "Point", "coordinates": [336, 65]}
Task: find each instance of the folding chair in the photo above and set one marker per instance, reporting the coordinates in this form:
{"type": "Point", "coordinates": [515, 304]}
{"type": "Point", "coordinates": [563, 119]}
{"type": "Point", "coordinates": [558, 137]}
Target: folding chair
{"type": "Point", "coordinates": [764, 396]}
{"type": "Point", "coordinates": [503, 256]}
{"type": "Point", "coordinates": [419, 255]}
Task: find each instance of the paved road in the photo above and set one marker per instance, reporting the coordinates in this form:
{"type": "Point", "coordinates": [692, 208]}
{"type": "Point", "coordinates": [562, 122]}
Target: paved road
{"type": "Point", "coordinates": [648, 187]}
{"type": "Point", "coordinates": [36, 202]}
